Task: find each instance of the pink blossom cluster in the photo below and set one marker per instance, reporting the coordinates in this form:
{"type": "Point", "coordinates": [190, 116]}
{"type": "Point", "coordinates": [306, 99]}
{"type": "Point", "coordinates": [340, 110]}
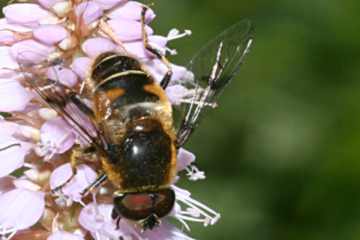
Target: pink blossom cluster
{"type": "Point", "coordinates": [35, 142]}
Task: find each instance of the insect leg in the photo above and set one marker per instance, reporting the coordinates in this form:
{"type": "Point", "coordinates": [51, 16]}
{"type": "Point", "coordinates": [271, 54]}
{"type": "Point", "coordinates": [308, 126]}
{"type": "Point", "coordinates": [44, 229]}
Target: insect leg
{"type": "Point", "coordinates": [73, 162]}
{"type": "Point", "coordinates": [78, 155]}
{"type": "Point", "coordinates": [108, 31]}
{"type": "Point", "coordinates": [99, 180]}
{"type": "Point", "coordinates": [166, 79]}
{"type": "Point", "coordinates": [184, 133]}
{"type": "Point", "coordinates": [10, 146]}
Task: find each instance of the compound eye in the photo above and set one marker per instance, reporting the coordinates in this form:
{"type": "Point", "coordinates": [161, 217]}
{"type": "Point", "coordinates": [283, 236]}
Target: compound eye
{"type": "Point", "coordinates": [165, 200]}
{"type": "Point", "coordinates": [134, 206]}
{"type": "Point", "coordinates": [138, 206]}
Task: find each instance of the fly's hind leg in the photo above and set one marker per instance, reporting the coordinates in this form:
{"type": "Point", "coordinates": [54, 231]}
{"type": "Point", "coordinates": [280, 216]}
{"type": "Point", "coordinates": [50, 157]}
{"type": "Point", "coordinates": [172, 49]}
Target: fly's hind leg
{"type": "Point", "coordinates": [167, 77]}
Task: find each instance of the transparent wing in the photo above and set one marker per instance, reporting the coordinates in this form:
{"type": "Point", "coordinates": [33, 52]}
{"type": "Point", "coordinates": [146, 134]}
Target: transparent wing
{"type": "Point", "coordinates": [64, 100]}
{"type": "Point", "coordinates": [214, 66]}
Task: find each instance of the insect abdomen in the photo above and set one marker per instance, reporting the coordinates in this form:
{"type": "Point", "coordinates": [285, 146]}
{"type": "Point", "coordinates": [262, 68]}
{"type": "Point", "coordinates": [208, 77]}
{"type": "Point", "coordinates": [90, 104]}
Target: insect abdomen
{"type": "Point", "coordinates": [145, 156]}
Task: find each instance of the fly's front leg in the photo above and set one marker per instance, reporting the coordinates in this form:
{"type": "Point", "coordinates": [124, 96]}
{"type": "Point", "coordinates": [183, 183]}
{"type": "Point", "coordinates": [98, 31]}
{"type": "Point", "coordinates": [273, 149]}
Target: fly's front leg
{"type": "Point", "coordinates": [94, 185]}
{"type": "Point", "coordinates": [78, 156]}
{"type": "Point", "coordinates": [167, 77]}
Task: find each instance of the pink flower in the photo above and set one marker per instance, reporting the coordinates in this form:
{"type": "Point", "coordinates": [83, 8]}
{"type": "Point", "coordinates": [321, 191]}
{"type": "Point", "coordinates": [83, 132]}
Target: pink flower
{"type": "Point", "coordinates": [25, 204]}
{"type": "Point", "coordinates": [72, 191]}
{"type": "Point", "coordinates": [57, 40]}
{"type": "Point", "coordinates": [62, 235]}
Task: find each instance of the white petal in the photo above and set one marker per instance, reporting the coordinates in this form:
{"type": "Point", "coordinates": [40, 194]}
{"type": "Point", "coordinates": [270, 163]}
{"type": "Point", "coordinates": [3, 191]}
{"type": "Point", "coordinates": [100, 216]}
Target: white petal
{"type": "Point", "coordinates": [185, 158]}
{"type": "Point", "coordinates": [29, 14]}
{"type": "Point", "coordinates": [8, 128]}
{"type": "Point", "coordinates": [62, 235]}
{"type": "Point", "coordinates": [58, 134]}
{"type": "Point", "coordinates": [14, 96]}
{"type": "Point", "coordinates": [165, 231]}
{"type": "Point", "coordinates": [7, 62]}
{"type": "Point", "coordinates": [83, 178]}
{"type": "Point", "coordinates": [97, 220]}
{"type": "Point", "coordinates": [21, 208]}
{"type": "Point", "coordinates": [12, 156]}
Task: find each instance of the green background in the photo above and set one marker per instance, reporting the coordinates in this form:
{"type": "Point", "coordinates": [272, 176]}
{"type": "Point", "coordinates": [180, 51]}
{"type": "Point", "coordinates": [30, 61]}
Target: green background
{"type": "Point", "coordinates": [281, 152]}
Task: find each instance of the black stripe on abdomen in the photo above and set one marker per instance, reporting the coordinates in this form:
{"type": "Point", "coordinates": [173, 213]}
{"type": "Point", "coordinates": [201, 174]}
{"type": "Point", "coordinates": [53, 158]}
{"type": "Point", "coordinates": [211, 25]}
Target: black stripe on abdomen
{"type": "Point", "coordinates": [108, 64]}
{"type": "Point", "coordinates": [133, 86]}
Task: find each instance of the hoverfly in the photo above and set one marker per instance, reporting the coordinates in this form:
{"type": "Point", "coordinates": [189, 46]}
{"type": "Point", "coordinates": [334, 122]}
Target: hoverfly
{"type": "Point", "coordinates": [130, 127]}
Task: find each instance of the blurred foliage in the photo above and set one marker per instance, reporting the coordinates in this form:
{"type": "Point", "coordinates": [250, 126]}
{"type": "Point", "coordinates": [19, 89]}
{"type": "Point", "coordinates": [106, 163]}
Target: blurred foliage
{"type": "Point", "coordinates": [281, 152]}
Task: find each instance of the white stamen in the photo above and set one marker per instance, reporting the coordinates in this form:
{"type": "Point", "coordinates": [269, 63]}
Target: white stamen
{"type": "Point", "coordinates": [30, 132]}
{"type": "Point", "coordinates": [6, 233]}
{"type": "Point", "coordinates": [194, 173]}
{"type": "Point", "coordinates": [175, 34]}
{"type": "Point", "coordinates": [47, 113]}
{"type": "Point", "coordinates": [196, 211]}
{"type": "Point", "coordinates": [171, 51]}
{"type": "Point", "coordinates": [61, 9]}
{"type": "Point", "coordinates": [185, 225]}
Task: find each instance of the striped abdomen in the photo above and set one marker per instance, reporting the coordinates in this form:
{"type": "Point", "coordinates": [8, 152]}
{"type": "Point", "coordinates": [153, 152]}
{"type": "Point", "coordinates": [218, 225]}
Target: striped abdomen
{"type": "Point", "coordinates": [119, 81]}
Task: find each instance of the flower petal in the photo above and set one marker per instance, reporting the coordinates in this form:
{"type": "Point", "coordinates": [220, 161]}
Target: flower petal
{"type": "Point", "coordinates": [165, 231]}
{"type": "Point", "coordinates": [50, 34]}
{"type": "Point", "coordinates": [22, 183]}
{"type": "Point", "coordinates": [128, 30]}
{"type": "Point", "coordinates": [63, 75]}
{"type": "Point", "coordinates": [21, 208]}
{"type": "Point", "coordinates": [28, 14]}
{"type": "Point", "coordinates": [8, 128]}
{"type": "Point", "coordinates": [30, 52]}
{"type": "Point", "coordinates": [137, 47]}
{"type": "Point", "coordinates": [107, 4]}
{"type": "Point", "coordinates": [96, 218]}
{"type": "Point", "coordinates": [7, 62]}
{"type": "Point", "coordinates": [15, 96]}
{"type": "Point", "coordinates": [4, 24]}
{"type": "Point", "coordinates": [177, 92]}
{"type": "Point", "coordinates": [13, 154]}
{"type": "Point", "coordinates": [132, 11]}
{"type": "Point", "coordinates": [95, 46]}
{"type": "Point", "coordinates": [48, 3]}
{"type": "Point", "coordinates": [184, 159]}
{"type": "Point", "coordinates": [89, 11]}
{"type": "Point", "coordinates": [80, 66]}
{"type": "Point", "coordinates": [62, 235]}
{"type": "Point", "coordinates": [7, 37]}
{"type": "Point", "coordinates": [83, 178]}
{"type": "Point", "coordinates": [57, 134]}
{"type": "Point", "coordinates": [93, 217]}
{"type": "Point", "coordinates": [158, 70]}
